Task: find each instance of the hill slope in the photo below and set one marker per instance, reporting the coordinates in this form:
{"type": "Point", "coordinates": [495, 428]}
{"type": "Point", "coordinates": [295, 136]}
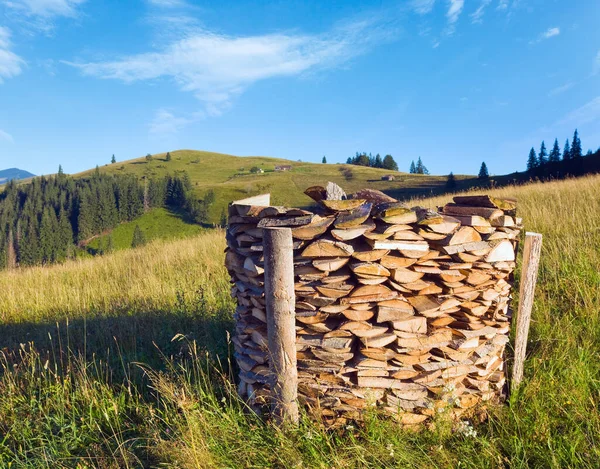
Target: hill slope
{"type": "Point", "coordinates": [125, 305]}
{"type": "Point", "coordinates": [230, 177]}
{"type": "Point", "coordinates": [14, 173]}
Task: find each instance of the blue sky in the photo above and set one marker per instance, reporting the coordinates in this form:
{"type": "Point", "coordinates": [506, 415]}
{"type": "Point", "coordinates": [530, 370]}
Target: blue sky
{"type": "Point", "coordinates": [453, 81]}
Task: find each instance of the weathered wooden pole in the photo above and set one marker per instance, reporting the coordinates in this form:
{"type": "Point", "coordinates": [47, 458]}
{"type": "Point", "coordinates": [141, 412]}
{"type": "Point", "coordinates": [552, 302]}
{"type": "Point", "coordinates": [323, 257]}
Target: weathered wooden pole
{"type": "Point", "coordinates": [529, 272]}
{"type": "Point", "coordinates": [281, 323]}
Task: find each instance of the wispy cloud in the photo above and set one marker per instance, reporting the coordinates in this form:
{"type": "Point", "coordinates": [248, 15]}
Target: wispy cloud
{"type": "Point", "coordinates": [550, 32]}
{"type": "Point", "coordinates": [217, 68]}
{"type": "Point", "coordinates": [561, 89]}
{"type": "Point", "coordinates": [477, 15]}
{"type": "Point", "coordinates": [422, 7]}
{"type": "Point", "coordinates": [585, 114]}
{"type": "Point", "coordinates": [502, 5]}
{"type": "Point", "coordinates": [10, 63]}
{"type": "Point", "coordinates": [45, 8]}
{"type": "Point", "coordinates": [6, 137]}
{"type": "Point", "coordinates": [166, 123]}
{"type": "Point", "coordinates": [454, 10]}
{"type": "Point", "coordinates": [167, 3]}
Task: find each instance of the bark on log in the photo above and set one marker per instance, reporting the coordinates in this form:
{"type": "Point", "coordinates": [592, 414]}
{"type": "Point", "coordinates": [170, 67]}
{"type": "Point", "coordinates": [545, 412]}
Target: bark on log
{"type": "Point", "coordinates": [531, 259]}
{"type": "Point", "coordinates": [280, 304]}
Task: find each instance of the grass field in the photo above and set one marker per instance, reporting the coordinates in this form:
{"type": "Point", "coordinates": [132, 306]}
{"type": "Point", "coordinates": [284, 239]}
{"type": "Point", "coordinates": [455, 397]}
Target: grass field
{"type": "Point", "coordinates": [229, 176]}
{"type": "Point", "coordinates": [130, 365]}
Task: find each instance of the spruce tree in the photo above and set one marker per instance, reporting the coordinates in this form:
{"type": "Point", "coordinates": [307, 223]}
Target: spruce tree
{"type": "Point", "coordinates": [113, 160]}
{"type": "Point", "coordinates": [566, 151]}
{"type": "Point", "coordinates": [542, 155]}
{"type": "Point", "coordinates": [576, 151]}
{"type": "Point", "coordinates": [349, 160]}
{"type": "Point", "coordinates": [554, 156]}
{"type": "Point", "coordinates": [11, 255]}
{"type": "Point", "coordinates": [110, 245]}
{"type": "Point", "coordinates": [413, 168]}
{"type": "Point", "coordinates": [389, 163]}
{"type": "Point", "coordinates": [168, 158]}
{"type": "Point", "coordinates": [451, 182]}
{"type": "Point", "coordinates": [378, 161]}
{"type": "Point", "coordinates": [324, 160]}
{"type": "Point", "coordinates": [420, 167]}
{"type": "Point", "coordinates": [532, 161]}
{"type": "Point", "coordinates": [60, 170]}
{"type": "Point", "coordinates": [483, 171]}
{"type": "Point", "coordinates": [138, 237]}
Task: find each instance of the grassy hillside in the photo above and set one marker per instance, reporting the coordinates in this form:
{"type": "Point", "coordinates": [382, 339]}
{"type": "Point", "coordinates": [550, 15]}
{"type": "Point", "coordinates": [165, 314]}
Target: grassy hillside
{"type": "Point", "coordinates": [230, 177]}
{"type": "Point", "coordinates": [63, 406]}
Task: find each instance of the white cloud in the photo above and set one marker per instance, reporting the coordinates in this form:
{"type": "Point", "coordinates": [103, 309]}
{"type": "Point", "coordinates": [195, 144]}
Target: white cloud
{"type": "Point", "coordinates": [166, 123]}
{"type": "Point", "coordinates": [167, 3]}
{"type": "Point", "coordinates": [45, 8]}
{"type": "Point", "coordinates": [561, 89]}
{"type": "Point", "coordinates": [550, 32]}
{"type": "Point", "coordinates": [422, 7]}
{"type": "Point", "coordinates": [10, 63]}
{"type": "Point", "coordinates": [502, 5]}
{"type": "Point", "coordinates": [217, 68]}
{"type": "Point", "coordinates": [454, 10]}
{"type": "Point", "coordinates": [477, 15]}
{"type": "Point", "coordinates": [6, 137]}
{"type": "Point", "coordinates": [589, 112]}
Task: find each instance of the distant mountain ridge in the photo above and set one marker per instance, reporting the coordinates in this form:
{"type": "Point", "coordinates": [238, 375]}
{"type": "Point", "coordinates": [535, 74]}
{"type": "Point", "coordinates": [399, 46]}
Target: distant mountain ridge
{"type": "Point", "coordinates": [14, 173]}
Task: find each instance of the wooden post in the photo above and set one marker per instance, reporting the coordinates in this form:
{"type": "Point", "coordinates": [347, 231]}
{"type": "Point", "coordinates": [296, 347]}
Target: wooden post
{"type": "Point", "coordinates": [529, 272]}
{"type": "Point", "coordinates": [281, 323]}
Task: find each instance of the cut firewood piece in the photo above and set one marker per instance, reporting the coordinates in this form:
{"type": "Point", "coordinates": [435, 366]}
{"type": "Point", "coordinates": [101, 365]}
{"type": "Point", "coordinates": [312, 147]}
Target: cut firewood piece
{"type": "Point", "coordinates": [335, 290]}
{"type": "Point", "coordinates": [369, 268]}
{"type": "Point", "coordinates": [467, 257]}
{"type": "Point", "coordinates": [472, 220]}
{"type": "Point", "coordinates": [263, 200]}
{"type": "Point", "coordinates": [353, 300]}
{"type": "Point", "coordinates": [406, 373]}
{"type": "Point", "coordinates": [334, 309]}
{"type": "Point", "coordinates": [374, 196]}
{"type": "Point", "coordinates": [334, 192]}
{"type": "Point", "coordinates": [355, 315]}
{"type": "Point", "coordinates": [315, 228]}
{"type": "Point", "coordinates": [327, 248]}
{"type": "Point", "coordinates": [371, 290]}
{"type": "Point", "coordinates": [370, 279]}
{"type": "Point", "coordinates": [347, 234]}
{"type": "Point", "coordinates": [424, 304]}
{"type": "Point", "coordinates": [378, 341]}
{"type": "Point", "coordinates": [418, 246]}
{"type": "Point", "coordinates": [395, 213]}
{"type": "Point", "coordinates": [364, 252]}
{"type": "Point", "coordinates": [330, 264]}
{"type": "Point", "coordinates": [477, 277]}
{"type": "Point", "coordinates": [489, 213]}
{"type": "Point", "coordinates": [474, 246]}
{"type": "Point", "coordinates": [311, 319]}
{"type": "Point", "coordinates": [434, 340]}
{"type": "Point", "coordinates": [387, 383]}
{"type": "Point", "coordinates": [452, 276]}
{"type": "Point", "coordinates": [342, 205]}
{"type": "Point", "coordinates": [501, 251]}
{"type": "Point", "coordinates": [465, 235]}
{"type": "Point", "coordinates": [317, 193]}
{"type": "Point", "coordinates": [362, 306]}
{"type": "Point", "coordinates": [504, 220]}
{"type": "Point", "coordinates": [396, 262]}
{"type": "Point", "coordinates": [414, 324]}
{"type": "Point", "coordinates": [363, 329]}
{"type": "Point", "coordinates": [332, 357]}
{"type": "Point", "coordinates": [338, 276]}
{"type": "Point", "coordinates": [407, 236]}
{"type": "Point", "coordinates": [417, 285]}
{"type": "Point", "coordinates": [406, 275]}
{"type": "Point", "coordinates": [486, 331]}
{"type": "Point", "coordinates": [485, 201]}
{"type": "Point", "coordinates": [437, 222]}
{"type": "Point", "coordinates": [285, 221]}
{"type": "Point", "coordinates": [381, 354]}
{"type": "Point", "coordinates": [352, 218]}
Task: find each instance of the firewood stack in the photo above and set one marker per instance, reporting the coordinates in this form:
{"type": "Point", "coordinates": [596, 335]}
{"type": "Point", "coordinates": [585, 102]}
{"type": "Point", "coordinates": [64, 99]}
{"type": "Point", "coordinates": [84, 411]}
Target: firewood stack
{"type": "Point", "coordinates": [403, 308]}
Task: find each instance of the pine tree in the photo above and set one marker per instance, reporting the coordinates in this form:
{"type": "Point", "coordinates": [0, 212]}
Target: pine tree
{"type": "Point", "coordinates": [532, 161]}
{"type": "Point", "coordinates": [576, 151]}
{"type": "Point", "coordinates": [420, 167]}
{"type": "Point", "coordinates": [349, 160]}
{"type": "Point", "coordinates": [389, 163]}
{"type": "Point", "coordinates": [363, 160]}
{"type": "Point", "coordinates": [113, 160]}
{"type": "Point", "coordinates": [379, 161]}
{"type": "Point", "coordinates": [413, 168]}
{"type": "Point", "coordinates": [324, 160]}
{"type": "Point", "coordinates": [543, 155]}
{"type": "Point", "coordinates": [60, 170]}
{"type": "Point", "coordinates": [566, 151]}
{"type": "Point", "coordinates": [138, 237]}
{"type": "Point", "coordinates": [451, 182]}
{"type": "Point", "coordinates": [168, 158]}
{"type": "Point", "coordinates": [483, 171]}
{"type": "Point", "coordinates": [554, 156]}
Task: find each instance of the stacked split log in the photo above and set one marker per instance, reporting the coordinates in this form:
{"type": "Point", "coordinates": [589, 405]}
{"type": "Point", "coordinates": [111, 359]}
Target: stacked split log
{"type": "Point", "coordinates": [403, 308]}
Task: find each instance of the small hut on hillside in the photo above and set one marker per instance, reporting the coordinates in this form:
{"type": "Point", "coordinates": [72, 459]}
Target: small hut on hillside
{"type": "Point", "coordinates": [387, 177]}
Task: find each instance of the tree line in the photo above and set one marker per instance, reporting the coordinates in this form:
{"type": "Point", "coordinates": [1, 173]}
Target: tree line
{"type": "Point", "coordinates": [43, 221]}
{"type": "Point", "coordinates": [362, 159]}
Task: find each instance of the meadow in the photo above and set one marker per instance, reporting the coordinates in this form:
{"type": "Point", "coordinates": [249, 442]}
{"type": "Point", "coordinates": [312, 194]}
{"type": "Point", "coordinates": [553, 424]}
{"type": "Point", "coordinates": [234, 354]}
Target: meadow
{"type": "Point", "coordinates": [123, 360]}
